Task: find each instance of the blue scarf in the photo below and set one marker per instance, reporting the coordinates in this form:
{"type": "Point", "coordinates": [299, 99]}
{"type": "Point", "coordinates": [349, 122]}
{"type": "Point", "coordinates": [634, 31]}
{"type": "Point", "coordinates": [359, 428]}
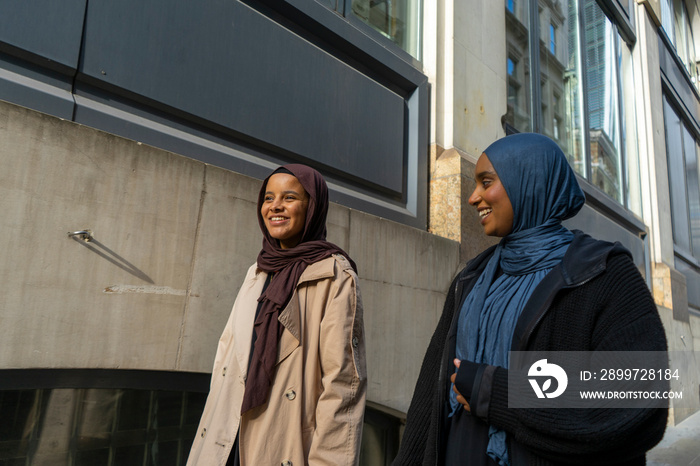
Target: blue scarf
{"type": "Point", "coordinates": [543, 191]}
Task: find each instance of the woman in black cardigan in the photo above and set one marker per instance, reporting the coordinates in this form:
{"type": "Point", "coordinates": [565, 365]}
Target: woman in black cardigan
{"type": "Point", "coordinates": [542, 288]}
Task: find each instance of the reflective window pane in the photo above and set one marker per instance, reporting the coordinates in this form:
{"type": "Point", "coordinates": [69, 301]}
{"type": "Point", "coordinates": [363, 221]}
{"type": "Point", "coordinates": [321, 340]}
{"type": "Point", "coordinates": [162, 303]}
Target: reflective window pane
{"type": "Point", "coordinates": [15, 407]}
{"type": "Point", "coordinates": [69, 427]}
{"type": "Point", "coordinates": [93, 457]}
{"type": "Point", "coordinates": [693, 189]}
{"type": "Point", "coordinates": [561, 69]}
{"type": "Point", "coordinates": [397, 20]}
{"type": "Point", "coordinates": [168, 408]}
{"type": "Point", "coordinates": [553, 39]}
{"type": "Point", "coordinates": [194, 405]}
{"type": "Point", "coordinates": [677, 21]}
{"type": "Point", "coordinates": [130, 454]}
{"type": "Point", "coordinates": [679, 30]}
{"type": "Point", "coordinates": [133, 410]}
{"type": "Point", "coordinates": [332, 4]}
{"type": "Point", "coordinates": [518, 66]}
{"type": "Point", "coordinates": [676, 176]}
{"type": "Point", "coordinates": [603, 101]}
{"type": "Point", "coordinates": [667, 18]}
{"type": "Point", "coordinates": [684, 37]}
{"type": "Point", "coordinates": [97, 426]}
{"type": "Point", "coordinates": [586, 90]}
{"type": "Point", "coordinates": [692, 64]}
{"type": "Point", "coordinates": [629, 131]}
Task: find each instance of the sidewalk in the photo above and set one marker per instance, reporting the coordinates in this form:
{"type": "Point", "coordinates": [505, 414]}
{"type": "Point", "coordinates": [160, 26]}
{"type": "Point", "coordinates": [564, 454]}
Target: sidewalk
{"type": "Point", "coordinates": [680, 445]}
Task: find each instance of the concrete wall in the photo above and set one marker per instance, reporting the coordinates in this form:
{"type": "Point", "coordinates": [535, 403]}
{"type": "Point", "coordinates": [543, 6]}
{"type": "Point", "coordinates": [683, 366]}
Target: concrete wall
{"type": "Point", "coordinates": [173, 238]}
{"type": "Point", "coordinates": [465, 59]}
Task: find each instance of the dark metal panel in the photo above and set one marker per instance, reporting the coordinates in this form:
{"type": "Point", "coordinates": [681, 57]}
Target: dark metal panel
{"type": "Point", "coordinates": [43, 30]}
{"type": "Point", "coordinates": [102, 110]}
{"type": "Point", "coordinates": [225, 63]}
{"type": "Point", "coordinates": [37, 88]}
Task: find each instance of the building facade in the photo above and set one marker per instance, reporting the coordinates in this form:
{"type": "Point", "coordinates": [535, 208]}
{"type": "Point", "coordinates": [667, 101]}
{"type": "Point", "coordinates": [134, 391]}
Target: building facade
{"type": "Point", "coordinates": [614, 83]}
{"type": "Point", "coordinates": [145, 128]}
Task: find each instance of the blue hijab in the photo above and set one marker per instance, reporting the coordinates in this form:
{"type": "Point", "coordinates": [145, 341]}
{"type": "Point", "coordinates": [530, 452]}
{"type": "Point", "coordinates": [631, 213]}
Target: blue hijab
{"type": "Point", "coordinates": [543, 191]}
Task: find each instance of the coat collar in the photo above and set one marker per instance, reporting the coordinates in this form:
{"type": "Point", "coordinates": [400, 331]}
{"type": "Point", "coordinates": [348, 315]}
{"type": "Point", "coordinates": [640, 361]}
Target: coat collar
{"type": "Point", "coordinates": [586, 258]}
{"type": "Point", "coordinates": [316, 271]}
{"type": "Point", "coordinates": [290, 316]}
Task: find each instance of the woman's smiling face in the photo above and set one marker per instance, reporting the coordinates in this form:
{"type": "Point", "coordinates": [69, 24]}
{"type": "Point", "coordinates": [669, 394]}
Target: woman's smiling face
{"type": "Point", "coordinates": [284, 209]}
{"type": "Point", "coordinates": [491, 200]}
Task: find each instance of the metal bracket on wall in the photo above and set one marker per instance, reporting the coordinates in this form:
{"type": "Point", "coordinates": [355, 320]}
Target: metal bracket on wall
{"type": "Point", "coordinates": [85, 235]}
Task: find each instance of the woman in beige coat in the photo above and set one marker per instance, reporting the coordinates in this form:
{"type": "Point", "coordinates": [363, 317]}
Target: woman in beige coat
{"type": "Point", "coordinates": [289, 381]}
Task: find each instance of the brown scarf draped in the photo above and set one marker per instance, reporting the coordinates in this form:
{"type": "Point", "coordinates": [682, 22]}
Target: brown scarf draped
{"type": "Point", "coordinates": [287, 265]}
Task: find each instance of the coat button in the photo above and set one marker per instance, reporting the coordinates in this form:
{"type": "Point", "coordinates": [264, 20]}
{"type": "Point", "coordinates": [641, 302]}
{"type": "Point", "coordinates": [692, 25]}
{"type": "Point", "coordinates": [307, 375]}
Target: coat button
{"type": "Point", "coordinates": [223, 373]}
{"type": "Point", "coordinates": [286, 463]}
{"type": "Point", "coordinates": [355, 342]}
{"type": "Point", "coordinates": [204, 432]}
{"type": "Point", "coordinates": [290, 396]}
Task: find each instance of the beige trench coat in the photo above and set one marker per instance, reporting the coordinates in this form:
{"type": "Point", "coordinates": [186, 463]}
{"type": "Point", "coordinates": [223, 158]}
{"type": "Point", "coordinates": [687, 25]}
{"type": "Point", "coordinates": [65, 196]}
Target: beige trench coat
{"type": "Point", "coordinates": [317, 399]}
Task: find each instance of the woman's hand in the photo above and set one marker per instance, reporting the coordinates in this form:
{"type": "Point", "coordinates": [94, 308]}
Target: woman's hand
{"type": "Point", "coordinates": [460, 398]}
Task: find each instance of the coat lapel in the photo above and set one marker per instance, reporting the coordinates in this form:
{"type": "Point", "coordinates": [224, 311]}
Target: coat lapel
{"type": "Point", "coordinates": [291, 317]}
{"type": "Point", "coordinates": [245, 319]}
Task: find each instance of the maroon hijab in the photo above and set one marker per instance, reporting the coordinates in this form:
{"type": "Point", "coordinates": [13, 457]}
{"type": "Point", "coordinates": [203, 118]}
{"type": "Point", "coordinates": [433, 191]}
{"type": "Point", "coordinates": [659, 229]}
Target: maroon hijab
{"type": "Point", "coordinates": [287, 266]}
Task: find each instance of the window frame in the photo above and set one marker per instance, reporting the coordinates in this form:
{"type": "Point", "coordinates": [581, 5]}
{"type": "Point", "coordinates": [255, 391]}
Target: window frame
{"type": "Point", "coordinates": [688, 254]}
{"type": "Point", "coordinates": [552, 38]}
{"type": "Point", "coordinates": [344, 8]}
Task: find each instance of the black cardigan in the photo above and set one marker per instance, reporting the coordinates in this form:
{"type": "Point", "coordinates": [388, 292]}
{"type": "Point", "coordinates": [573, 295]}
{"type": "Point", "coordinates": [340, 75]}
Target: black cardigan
{"type": "Point", "coordinates": [594, 300]}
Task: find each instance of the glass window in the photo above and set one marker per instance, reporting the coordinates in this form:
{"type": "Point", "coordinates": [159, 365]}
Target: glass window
{"type": "Point", "coordinates": [514, 86]}
{"type": "Point", "coordinates": [601, 51]}
{"type": "Point", "coordinates": [693, 192]}
{"type": "Point", "coordinates": [380, 435]}
{"type": "Point", "coordinates": [557, 117]}
{"type": "Point", "coordinates": [629, 131]}
{"type": "Point", "coordinates": [667, 18]}
{"type": "Point", "coordinates": [397, 20]}
{"type": "Point", "coordinates": [685, 39]}
{"type": "Point", "coordinates": [332, 4]}
{"type": "Point", "coordinates": [680, 30]}
{"type": "Point", "coordinates": [518, 47]}
{"type": "Point", "coordinates": [544, 107]}
{"type": "Point", "coordinates": [88, 427]}
{"type": "Point", "coordinates": [553, 39]}
{"type": "Point", "coordinates": [594, 125]}
{"type": "Point", "coordinates": [675, 144]}
{"type": "Point", "coordinates": [679, 21]}
{"type": "Point", "coordinates": [561, 69]}
{"type": "Point", "coordinates": [98, 426]}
